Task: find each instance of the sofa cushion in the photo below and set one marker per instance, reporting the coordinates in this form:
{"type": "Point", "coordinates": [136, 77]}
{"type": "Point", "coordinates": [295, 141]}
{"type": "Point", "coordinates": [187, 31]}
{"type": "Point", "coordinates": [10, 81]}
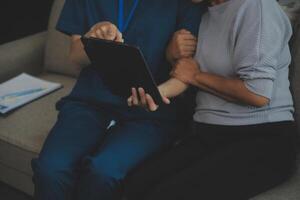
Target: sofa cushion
{"type": "Point", "coordinates": [58, 46]}
{"type": "Point", "coordinates": [295, 71]}
{"type": "Point", "coordinates": [16, 158]}
{"type": "Point", "coordinates": [291, 7]}
{"type": "Point", "coordinates": [16, 179]}
{"type": "Point", "coordinates": [21, 137]}
{"type": "Point", "coordinates": [28, 126]}
{"type": "Point", "coordinates": [289, 190]}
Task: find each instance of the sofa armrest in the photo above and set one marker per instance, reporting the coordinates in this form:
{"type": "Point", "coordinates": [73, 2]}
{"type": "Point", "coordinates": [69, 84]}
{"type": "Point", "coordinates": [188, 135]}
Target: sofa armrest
{"type": "Point", "coordinates": [23, 55]}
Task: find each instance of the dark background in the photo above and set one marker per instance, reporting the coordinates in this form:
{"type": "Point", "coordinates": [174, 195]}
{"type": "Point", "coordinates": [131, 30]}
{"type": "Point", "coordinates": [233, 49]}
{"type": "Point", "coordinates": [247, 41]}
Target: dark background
{"type": "Point", "coordinates": [19, 18]}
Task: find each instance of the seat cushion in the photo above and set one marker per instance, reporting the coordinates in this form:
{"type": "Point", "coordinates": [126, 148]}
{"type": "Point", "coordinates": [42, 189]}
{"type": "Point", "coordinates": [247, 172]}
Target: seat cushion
{"type": "Point", "coordinates": [289, 190]}
{"type": "Point", "coordinates": [28, 126]}
{"type": "Point", "coordinates": [292, 8]}
{"type": "Point", "coordinates": [58, 46]}
{"type": "Point", "coordinates": [295, 72]}
{"type": "Point", "coordinates": [23, 133]}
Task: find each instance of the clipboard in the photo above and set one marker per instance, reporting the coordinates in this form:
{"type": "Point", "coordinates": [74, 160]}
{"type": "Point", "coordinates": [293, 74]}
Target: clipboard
{"type": "Point", "coordinates": [121, 67]}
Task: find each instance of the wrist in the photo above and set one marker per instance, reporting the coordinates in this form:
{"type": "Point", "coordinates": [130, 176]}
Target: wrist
{"type": "Point", "coordinates": [162, 90]}
{"type": "Point", "coordinates": [194, 80]}
{"type": "Point", "coordinates": [169, 56]}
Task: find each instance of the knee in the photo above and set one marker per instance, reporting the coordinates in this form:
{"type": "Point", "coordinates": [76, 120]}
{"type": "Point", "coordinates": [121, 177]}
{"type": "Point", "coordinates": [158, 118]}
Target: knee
{"type": "Point", "coordinates": [104, 171]}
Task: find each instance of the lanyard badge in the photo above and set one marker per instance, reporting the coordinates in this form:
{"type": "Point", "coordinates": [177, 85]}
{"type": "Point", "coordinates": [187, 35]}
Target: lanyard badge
{"type": "Point", "coordinates": [122, 22]}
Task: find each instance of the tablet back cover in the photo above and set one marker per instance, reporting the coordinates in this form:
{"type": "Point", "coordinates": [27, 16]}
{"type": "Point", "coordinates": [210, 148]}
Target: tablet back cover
{"type": "Point", "coordinates": [121, 67]}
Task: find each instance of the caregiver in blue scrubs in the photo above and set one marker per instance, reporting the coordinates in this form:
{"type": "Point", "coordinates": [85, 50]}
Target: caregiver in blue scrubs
{"type": "Point", "coordinates": [82, 158]}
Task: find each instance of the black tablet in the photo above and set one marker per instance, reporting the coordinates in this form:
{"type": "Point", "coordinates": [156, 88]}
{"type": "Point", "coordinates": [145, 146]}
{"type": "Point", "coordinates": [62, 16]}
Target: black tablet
{"type": "Point", "coordinates": [121, 67]}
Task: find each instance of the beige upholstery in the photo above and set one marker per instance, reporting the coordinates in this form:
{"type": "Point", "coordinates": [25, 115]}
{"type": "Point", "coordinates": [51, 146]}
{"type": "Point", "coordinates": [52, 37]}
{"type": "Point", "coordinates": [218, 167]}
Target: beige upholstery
{"type": "Point", "coordinates": [32, 123]}
{"type": "Point", "coordinates": [23, 132]}
{"type": "Point", "coordinates": [29, 56]}
{"type": "Point", "coordinates": [286, 191]}
{"type": "Point", "coordinates": [295, 71]}
{"type": "Point", "coordinates": [58, 46]}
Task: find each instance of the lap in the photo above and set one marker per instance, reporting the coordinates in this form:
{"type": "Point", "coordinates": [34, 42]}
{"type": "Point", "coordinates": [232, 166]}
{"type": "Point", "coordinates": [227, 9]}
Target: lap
{"type": "Point", "coordinates": [77, 132]}
{"type": "Point", "coordinates": [237, 171]}
{"type": "Point", "coordinates": [130, 143]}
{"type": "Point", "coordinates": [197, 169]}
{"type": "Point", "coordinates": [163, 166]}
{"type": "Point", "coordinates": [81, 133]}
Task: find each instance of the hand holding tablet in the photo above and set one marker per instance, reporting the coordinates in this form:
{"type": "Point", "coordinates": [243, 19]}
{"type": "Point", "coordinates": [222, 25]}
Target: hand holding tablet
{"type": "Point", "coordinates": [139, 97]}
{"type": "Point", "coordinates": [122, 67]}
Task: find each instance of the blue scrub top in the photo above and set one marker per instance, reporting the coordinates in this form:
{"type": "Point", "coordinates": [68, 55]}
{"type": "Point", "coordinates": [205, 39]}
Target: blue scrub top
{"type": "Point", "coordinates": [151, 28]}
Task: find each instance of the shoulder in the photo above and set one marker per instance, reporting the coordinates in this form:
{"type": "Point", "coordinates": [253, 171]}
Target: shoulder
{"type": "Point", "coordinates": [263, 7]}
{"type": "Point", "coordinates": [248, 6]}
{"type": "Point", "coordinates": [265, 11]}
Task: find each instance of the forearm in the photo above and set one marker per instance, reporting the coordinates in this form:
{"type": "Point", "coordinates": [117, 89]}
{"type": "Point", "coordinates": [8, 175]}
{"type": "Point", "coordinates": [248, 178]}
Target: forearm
{"type": "Point", "coordinates": [172, 88]}
{"type": "Point", "coordinates": [231, 89]}
{"type": "Point", "coordinates": [211, 91]}
{"type": "Point", "coordinates": [169, 58]}
{"type": "Point", "coordinates": [78, 55]}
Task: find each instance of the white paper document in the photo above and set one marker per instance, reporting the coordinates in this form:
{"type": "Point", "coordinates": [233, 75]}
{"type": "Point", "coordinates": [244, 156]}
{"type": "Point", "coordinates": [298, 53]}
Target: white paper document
{"type": "Point", "coordinates": [22, 90]}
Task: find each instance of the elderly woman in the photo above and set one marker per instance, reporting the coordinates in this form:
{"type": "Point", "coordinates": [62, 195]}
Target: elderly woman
{"type": "Point", "coordinates": [243, 135]}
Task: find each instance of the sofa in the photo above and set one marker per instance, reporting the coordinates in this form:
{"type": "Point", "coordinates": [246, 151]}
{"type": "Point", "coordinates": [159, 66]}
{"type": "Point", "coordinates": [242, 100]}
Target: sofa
{"type": "Point", "coordinates": [22, 132]}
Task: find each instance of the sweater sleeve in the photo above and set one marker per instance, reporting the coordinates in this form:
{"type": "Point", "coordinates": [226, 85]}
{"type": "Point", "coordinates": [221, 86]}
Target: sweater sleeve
{"type": "Point", "coordinates": [261, 33]}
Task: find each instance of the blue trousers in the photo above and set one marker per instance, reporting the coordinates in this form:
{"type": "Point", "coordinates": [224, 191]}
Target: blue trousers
{"type": "Point", "coordinates": [84, 159]}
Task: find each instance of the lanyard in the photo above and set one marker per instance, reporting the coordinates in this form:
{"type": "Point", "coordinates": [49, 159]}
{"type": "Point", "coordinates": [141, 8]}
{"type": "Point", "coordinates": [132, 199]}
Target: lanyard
{"type": "Point", "coordinates": [123, 23]}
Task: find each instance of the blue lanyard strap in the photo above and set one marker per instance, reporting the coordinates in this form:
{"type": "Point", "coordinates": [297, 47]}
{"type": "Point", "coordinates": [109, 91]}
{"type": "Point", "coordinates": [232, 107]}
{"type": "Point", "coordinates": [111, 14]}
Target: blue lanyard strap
{"type": "Point", "coordinates": [122, 23]}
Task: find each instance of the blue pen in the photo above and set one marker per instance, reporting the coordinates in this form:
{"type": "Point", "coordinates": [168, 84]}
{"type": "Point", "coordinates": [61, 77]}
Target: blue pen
{"type": "Point", "coordinates": [22, 93]}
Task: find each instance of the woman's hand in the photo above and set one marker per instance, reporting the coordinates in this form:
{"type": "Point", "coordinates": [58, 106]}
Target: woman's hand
{"type": "Point", "coordinates": [186, 70]}
{"type": "Point", "coordinates": [231, 89]}
{"type": "Point", "coordinates": [105, 30]}
{"type": "Point", "coordinates": [182, 45]}
{"type": "Point", "coordinates": [142, 99]}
